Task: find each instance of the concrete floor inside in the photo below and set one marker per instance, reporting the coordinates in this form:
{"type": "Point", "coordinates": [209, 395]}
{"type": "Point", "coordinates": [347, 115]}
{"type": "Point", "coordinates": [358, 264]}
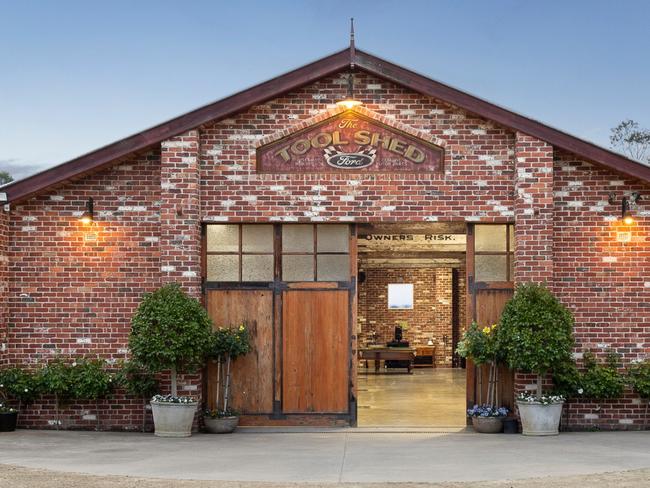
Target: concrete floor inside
{"type": "Point", "coordinates": [430, 397]}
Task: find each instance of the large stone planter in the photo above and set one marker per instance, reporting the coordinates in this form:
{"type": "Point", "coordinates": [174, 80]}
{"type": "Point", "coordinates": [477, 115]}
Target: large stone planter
{"type": "Point", "coordinates": [173, 419]}
{"type": "Point", "coordinates": [487, 425]}
{"type": "Point", "coordinates": [223, 425]}
{"type": "Point", "coordinates": [540, 419]}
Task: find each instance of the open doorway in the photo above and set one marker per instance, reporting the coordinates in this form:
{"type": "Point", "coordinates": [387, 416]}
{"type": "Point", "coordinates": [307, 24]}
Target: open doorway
{"type": "Point", "coordinates": [410, 316]}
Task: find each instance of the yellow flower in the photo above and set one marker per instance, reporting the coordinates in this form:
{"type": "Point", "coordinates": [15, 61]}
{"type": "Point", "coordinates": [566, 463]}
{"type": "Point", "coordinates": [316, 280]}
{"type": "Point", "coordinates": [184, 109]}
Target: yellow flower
{"type": "Point", "coordinates": [486, 330]}
{"type": "Point", "coordinates": [241, 327]}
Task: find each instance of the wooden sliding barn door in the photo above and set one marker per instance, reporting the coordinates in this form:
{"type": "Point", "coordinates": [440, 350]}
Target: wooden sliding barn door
{"type": "Point", "coordinates": [489, 287]}
{"type": "Point", "coordinates": [316, 351]}
{"type": "Point", "coordinates": [252, 377]}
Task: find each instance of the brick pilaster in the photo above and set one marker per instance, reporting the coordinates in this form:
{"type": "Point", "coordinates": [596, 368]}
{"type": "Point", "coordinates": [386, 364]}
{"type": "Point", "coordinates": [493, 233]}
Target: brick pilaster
{"type": "Point", "coordinates": [180, 233]}
{"type": "Point", "coordinates": [4, 284]}
{"type": "Point", "coordinates": [533, 210]}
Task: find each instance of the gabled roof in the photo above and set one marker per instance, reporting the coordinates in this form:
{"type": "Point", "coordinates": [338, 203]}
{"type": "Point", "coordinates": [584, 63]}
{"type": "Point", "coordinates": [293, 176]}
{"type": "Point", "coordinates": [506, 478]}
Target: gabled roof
{"type": "Point", "coordinates": [305, 75]}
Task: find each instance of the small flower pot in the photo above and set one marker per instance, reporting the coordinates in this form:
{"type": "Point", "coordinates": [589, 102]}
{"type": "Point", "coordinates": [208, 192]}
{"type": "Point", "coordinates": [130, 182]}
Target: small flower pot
{"type": "Point", "coordinates": [221, 425]}
{"type": "Point", "coordinates": [173, 419]}
{"type": "Point", "coordinates": [539, 419]}
{"type": "Point", "coordinates": [487, 425]}
{"type": "Point", "coordinates": [8, 421]}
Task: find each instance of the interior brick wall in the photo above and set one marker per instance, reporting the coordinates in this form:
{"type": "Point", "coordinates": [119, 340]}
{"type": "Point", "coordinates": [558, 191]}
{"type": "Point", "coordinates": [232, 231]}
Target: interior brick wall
{"type": "Point", "coordinates": [430, 317]}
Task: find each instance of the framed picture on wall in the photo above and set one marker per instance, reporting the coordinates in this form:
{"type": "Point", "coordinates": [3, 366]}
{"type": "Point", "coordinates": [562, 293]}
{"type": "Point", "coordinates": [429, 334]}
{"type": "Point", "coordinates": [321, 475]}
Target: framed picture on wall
{"type": "Point", "coordinates": [400, 296]}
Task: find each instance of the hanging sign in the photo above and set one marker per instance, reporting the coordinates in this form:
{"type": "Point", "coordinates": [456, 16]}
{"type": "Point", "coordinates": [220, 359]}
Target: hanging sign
{"type": "Point", "coordinates": [412, 242]}
{"type": "Point", "coordinates": [349, 142]}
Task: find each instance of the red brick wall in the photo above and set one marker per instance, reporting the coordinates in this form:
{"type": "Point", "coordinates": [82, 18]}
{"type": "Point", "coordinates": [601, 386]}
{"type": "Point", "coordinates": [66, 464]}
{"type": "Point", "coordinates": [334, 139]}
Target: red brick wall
{"type": "Point", "coordinates": [604, 282]}
{"type": "Point", "coordinates": [74, 288]}
{"type": "Point", "coordinates": [429, 319]}
{"type": "Point", "coordinates": [4, 283]}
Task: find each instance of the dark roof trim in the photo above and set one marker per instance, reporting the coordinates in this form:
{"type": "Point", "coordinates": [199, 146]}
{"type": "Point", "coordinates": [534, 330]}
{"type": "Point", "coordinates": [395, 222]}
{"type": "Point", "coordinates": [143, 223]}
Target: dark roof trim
{"type": "Point", "coordinates": [105, 156]}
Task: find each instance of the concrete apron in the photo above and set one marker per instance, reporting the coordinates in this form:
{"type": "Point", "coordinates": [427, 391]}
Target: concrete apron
{"type": "Point", "coordinates": [343, 455]}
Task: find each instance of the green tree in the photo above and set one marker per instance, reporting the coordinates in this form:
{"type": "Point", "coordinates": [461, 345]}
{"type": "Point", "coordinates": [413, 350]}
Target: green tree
{"type": "Point", "coordinates": [5, 177]}
{"type": "Point", "coordinates": [535, 333]}
{"type": "Point", "coordinates": [170, 331]}
{"type": "Point", "coordinates": [632, 140]}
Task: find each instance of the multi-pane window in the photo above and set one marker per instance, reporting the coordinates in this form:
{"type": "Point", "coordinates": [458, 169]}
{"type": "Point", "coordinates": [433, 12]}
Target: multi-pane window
{"type": "Point", "coordinates": [246, 252]}
{"type": "Point", "coordinates": [494, 247]}
{"type": "Point", "coordinates": [239, 252]}
{"type": "Point", "coordinates": [315, 252]}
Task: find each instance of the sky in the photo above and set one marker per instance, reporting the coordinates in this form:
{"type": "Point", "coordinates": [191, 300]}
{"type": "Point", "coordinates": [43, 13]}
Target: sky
{"type": "Point", "coordinates": [77, 75]}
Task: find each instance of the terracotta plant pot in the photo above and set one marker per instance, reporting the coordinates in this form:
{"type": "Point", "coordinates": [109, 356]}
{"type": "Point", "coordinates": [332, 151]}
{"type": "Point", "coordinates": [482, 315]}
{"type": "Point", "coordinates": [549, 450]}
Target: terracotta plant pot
{"type": "Point", "coordinates": [223, 425]}
{"type": "Point", "coordinates": [8, 421]}
{"type": "Point", "coordinates": [173, 419]}
{"type": "Point", "coordinates": [540, 419]}
{"type": "Point", "coordinates": [487, 425]}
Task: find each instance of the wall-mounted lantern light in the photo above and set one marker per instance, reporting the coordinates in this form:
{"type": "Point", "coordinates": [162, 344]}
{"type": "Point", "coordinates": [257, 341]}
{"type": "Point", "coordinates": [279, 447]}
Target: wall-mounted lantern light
{"type": "Point", "coordinates": [89, 214]}
{"type": "Point", "coordinates": [626, 215]}
{"type": "Point", "coordinates": [349, 101]}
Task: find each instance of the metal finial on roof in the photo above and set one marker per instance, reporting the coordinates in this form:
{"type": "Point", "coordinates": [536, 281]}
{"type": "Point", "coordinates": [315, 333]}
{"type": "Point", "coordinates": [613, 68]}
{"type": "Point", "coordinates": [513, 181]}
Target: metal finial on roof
{"type": "Point", "coordinates": [352, 51]}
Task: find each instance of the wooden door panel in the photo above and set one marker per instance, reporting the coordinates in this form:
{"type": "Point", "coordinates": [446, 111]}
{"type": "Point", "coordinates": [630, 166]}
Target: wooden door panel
{"type": "Point", "coordinates": [489, 306]}
{"type": "Point", "coordinates": [315, 352]}
{"type": "Point", "coordinates": [251, 375]}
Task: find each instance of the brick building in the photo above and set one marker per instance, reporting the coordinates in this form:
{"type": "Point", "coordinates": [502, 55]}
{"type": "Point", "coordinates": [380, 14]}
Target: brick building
{"type": "Point", "coordinates": [257, 205]}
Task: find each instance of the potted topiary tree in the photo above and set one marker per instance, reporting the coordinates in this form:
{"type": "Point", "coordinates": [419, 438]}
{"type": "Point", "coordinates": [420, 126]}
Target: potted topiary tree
{"type": "Point", "coordinates": [479, 345]}
{"type": "Point", "coordinates": [227, 345]}
{"type": "Point", "coordinates": [171, 331]}
{"type": "Point", "coordinates": [535, 334]}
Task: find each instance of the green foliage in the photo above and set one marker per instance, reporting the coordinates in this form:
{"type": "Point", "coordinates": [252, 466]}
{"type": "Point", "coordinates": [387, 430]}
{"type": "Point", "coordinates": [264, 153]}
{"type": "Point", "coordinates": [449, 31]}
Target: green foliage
{"type": "Point", "coordinates": [479, 344]}
{"type": "Point", "coordinates": [601, 381]}
{"type": "Point", "coordinates": [170, 331]}
{"type": "Point", "coordinates": [535, 333]}
{"type": "Point", "coordinates": [226, 341]}
{"type": "Point", "coordinates": [5, 177]}
{"type": "Point", "coordinates": [57, 378]}
{"type": "Point", "coordinates": [597, 381]}
{"type": "Point", "coordinates": [638, 377]}
{"type": "Point", "coordinates": [567, 379]}
{"type": "Point", "coordinates": [90, 380]}
{"type": "Point", "coordinates": [19, 384]}
{"type": "Point", "coordinates": [137, 380]}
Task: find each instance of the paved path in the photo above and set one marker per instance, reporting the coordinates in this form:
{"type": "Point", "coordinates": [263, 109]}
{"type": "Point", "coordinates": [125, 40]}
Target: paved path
{"type": "Point", "coordinates": [338, 456]}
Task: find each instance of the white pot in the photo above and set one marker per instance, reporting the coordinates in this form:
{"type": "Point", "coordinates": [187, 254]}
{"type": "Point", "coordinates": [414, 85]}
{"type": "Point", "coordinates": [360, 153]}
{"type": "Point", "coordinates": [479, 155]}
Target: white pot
{"type": "Point", "coordinates": [539, 419]}
{"type": "Point", "coordinates": [173, 419]}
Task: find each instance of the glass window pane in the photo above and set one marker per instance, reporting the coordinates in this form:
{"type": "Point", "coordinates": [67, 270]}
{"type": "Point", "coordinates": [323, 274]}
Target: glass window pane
{"type": "Point", "coordinates": [511, 229]}
{"type": "Point", "coordinates": [333, 238]}
{"type": "Point", "coordinates": [257, 238]}
{"type": "Point", "coordinates": [512, 267]}
{"type": "Point", "coordinates": [297, 267]}
{"type": "Point", "coordinates": [257, 267]}
{"type": "Point", "coordinates": [400, 295]}
{"type": "Point", "coordinates": [490, 238]}
{"type": "Point", "coordinates": [298, 238]}
{"type": "Point", "coordinates": [223, 238]}
{"type": "Point", "coordinates": [224, 267]}
{"type": "Point", "coordinates": [490, 268]}
{"type": "Point", "coordinates": [333, 267]}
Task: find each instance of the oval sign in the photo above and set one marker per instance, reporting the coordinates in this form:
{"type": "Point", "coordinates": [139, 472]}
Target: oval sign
{"type": "Point", "coordinates": [350, 161]}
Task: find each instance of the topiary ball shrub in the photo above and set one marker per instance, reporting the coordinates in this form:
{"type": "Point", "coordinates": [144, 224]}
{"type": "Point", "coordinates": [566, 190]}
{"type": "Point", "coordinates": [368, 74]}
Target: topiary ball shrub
{"type": "Point", "coordinates": [535, 332]}
{"type": "Point", "coordinates": [170, 331]}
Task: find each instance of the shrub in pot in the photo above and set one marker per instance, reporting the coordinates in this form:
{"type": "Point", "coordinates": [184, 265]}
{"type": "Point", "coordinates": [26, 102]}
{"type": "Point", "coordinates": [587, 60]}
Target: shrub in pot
{"type": "Point", "coordinates": [227, 344]}
{"type": "Point", "coordinates": [535, 334]}
{"type": "Point", "coordinates": [479, 344]}
{"type": "Point", "coordinates": [171, 331]}
{"type": "Point", "coordinates": [19, 386]}
{"type": "Point", "coordinates": [138, 381]}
